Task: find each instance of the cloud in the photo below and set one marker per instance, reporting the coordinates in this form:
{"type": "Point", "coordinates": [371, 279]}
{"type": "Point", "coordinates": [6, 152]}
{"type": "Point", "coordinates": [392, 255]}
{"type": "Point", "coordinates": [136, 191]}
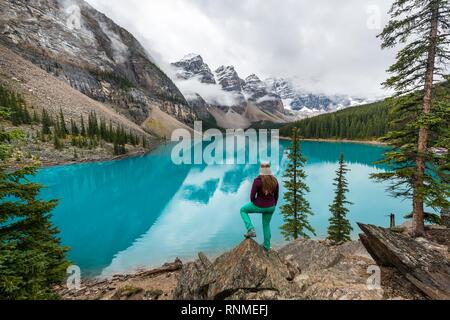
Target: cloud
{"type": "Point", "coordinates": [328, 46]}
{"type": "Point", "coordinates": [211, 93]}
{"type": "Point", "coordinates": [120, 50]}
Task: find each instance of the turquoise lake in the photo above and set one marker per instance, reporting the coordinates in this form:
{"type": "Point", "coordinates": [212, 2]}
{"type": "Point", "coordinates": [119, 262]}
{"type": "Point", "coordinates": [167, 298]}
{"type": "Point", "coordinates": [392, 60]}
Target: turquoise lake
{"type": "Point", "coordinates": [141, 212]}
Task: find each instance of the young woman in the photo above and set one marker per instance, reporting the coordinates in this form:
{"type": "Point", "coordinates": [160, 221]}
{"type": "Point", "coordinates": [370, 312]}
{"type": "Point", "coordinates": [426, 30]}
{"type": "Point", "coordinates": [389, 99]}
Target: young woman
{"type": "Point", "coordinates": [264, 199]}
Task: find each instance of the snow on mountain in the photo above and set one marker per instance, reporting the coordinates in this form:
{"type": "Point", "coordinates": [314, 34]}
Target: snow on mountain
{"type": "Point", "coordinates": [229, 79]}
{"type": "Point", "coordinates": [192, 65]}
{"type": "Point", "coordinates": [296, 99]}
{"type": "Point", "coordinates": [258, 92]}
{"type": "Point", "coordinates": [279, 97]}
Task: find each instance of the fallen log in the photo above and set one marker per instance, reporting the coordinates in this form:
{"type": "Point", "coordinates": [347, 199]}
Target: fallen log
{"type": "Point", "coordinates": [167, 267]}
{"type": "Point", "coordinates": [426, 269]}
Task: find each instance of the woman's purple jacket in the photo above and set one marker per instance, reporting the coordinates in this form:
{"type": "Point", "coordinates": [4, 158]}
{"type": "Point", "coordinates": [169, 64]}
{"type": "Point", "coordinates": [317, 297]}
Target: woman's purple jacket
{"type": "Point", "coordinates": [260, 199]}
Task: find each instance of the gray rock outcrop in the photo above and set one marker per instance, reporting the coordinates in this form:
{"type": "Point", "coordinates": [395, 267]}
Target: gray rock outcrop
{"type": "Point", "coordinates": [247, 269]}
{"type": "Point", "coordinates": [303, 269]}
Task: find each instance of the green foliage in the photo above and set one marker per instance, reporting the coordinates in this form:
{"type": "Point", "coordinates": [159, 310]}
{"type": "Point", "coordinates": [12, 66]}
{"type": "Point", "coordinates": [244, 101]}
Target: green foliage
{"type": "Point", "coordinates": [364, 123]}
{"type": "Point", "coordinates": [6, 137]}
{"type": "Point", "coordinates": [432, 218]}
{"type": "Point", "coordinates": [57, 142]}
{"type": "Point", "coordinates": [83, 127]}
{"type": "Point", "coordinates": [31, 257]}
{"type": "Point", "coordinates": [406, 118]}
{"type": "Point", "coordinates": [297, 209]}
{"type": "Point", "coordinates": [63, 131]}
{"type": "Point", "coordinates": [47, 122]}
{"type": "Point", "coordinates": [13, 108]}
{"type": "Point", "coordinates": [340, 228]}
{"type": "Point", "coordinates": [419, 119]}
{"type": "Point", "coordinates": [35, 118]}
{"type": "Point", "coordinates": [144, 142]}
{"type": "Point", "coordinates": [411, 27]}
{"type": "Point", "coordinates": [74, 128]}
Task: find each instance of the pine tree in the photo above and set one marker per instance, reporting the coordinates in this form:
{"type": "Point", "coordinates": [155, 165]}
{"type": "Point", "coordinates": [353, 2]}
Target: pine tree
{"type": "Point", "coordinates": [421, 28]}
{"type": "Point", "coordinates": [32, 260]}
{"type": "Point", "coordinates": [62, 125]}
{"type": "Point", "coordinates": [46, 122]}
{"type": "Point", "coordinates": [297, 209]}
{"type": "Point", "coordinates": [74, 128]}
{"type": "Point", "coordinates": [57, 142]}
{"type": "Point", "coordinates": [83, 128]}
{"type": "Point", "coordinates": [36, 118]}
{"type": "Point", "coordinates": [103, 129]}
{"type": "Point", "coordinates": [340, 228]}
{"type": "Point", "coordinates": [110, 137]}
{"type": "Point", "coordinates": [26, 115]}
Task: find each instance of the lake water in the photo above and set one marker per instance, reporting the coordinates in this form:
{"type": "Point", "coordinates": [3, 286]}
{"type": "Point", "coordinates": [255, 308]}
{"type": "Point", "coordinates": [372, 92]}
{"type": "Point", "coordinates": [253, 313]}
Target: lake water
{"type": "Point", "coordinates": [139, 212]}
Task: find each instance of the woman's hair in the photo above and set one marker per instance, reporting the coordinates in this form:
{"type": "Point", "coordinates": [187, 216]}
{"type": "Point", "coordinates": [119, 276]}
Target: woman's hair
{"type": "Point", "coordinates": [269, 182]}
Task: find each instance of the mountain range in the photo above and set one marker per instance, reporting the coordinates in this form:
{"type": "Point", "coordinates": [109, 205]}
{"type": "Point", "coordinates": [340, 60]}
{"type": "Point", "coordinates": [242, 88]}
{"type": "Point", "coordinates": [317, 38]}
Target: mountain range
{"type": "Point", "coordinates": [276, 100]}
{"type": "Point", "coordinates": [63, 55]}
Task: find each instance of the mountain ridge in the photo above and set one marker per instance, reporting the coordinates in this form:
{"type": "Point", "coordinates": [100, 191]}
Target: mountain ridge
{"type": "Point", "coordinates": [84, 48]}
{"type": "Point", "coordinates": [277, 100]}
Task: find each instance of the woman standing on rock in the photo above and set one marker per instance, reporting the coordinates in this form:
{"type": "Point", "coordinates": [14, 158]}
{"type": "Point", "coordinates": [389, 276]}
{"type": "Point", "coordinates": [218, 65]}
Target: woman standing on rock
{"type": "Point", "coordinates": [264, 199]}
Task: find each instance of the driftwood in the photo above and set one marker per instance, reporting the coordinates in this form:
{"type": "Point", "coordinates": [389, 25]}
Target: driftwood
{"type": "Point", "coordinates": [167, 267]}
{"type": "Point", "coordinates": [426, 269]}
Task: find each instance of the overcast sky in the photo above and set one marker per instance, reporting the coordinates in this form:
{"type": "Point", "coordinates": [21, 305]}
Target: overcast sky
{"type": "Point", "coordinates": [329, 46]}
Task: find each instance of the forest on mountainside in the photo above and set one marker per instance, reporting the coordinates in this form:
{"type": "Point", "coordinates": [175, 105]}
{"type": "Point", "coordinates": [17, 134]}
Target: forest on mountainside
{"type": "Point", "coordinates": [367, 122]}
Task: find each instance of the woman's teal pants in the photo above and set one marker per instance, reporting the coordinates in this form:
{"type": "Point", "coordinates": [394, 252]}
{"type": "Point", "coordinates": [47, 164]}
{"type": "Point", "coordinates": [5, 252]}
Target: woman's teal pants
{"type": "Point", "coordinates": [266, 218]}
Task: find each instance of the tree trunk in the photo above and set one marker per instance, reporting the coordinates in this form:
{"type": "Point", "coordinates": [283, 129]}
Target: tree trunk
{"type": "Point", "coordinates": [426, 268]}
{"type": "Point", "coordinates": [295, 151]}
{"type": "Point", "coordinates": [422, 146]}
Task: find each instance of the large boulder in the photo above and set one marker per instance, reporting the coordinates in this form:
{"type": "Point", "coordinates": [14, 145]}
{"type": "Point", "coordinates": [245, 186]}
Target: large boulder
{"type": "Point", "coordinates": [303, 269]}
{"type": "Point", "coordinates": [247, 271]}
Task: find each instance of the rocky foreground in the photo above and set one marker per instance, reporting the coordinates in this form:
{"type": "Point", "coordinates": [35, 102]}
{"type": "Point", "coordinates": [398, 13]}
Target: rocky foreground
{"type": "Point", "coordinates": [303, 269]}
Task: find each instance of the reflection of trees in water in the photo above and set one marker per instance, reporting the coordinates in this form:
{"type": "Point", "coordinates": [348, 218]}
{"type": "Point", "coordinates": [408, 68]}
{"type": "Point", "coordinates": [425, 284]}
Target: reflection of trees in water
{"type": "Point", "coordinates": [319, 152]}
{"type": "Point", "coordinates": [105, 207]}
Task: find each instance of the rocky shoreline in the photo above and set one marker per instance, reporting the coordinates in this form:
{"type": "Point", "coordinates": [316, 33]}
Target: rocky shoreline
{"type": "Point", "coordinates": [28, 150]}
{"type": "Point", "coordinates": [303, 269]}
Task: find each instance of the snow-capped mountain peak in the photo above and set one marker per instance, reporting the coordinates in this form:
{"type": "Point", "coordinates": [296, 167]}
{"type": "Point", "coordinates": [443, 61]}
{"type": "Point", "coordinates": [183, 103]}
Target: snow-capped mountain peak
{"type": "Point", "coordinates": [229, 79]}
{"type": "Point", "coordinates": [192, 57]}
{"type": "Point", "coordinates": [192, 65]}
{"type": "Point", "coordinates": [297, 99]}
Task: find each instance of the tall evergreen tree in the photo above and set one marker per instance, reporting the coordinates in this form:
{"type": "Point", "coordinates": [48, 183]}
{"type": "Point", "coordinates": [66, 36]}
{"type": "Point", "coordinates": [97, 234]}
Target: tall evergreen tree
{"type": "Point", "coordinates": [31, 257]}
{"type": "Point", "coordinates": [83, 127]}
{"type": "Point", "coordinates": [110, 137]}
{"type": "Point", "coordinates": [57, 142]}
{"type": "Point", "coordinates": [340, 228]}
{"type": "Point", "coordinates": [74, 128]}
{"type": "Point", "coordinates": [62, 125]}
{"type": "Point", "coordinates": [422, 28]}
{"type": "Point", "coordinates": [35, 118]}
{"type": "Point", "coordinates": [46, 122]}
{"type": "Point", "coordinates": [103, 129]}
{"type": "Point", "coordinates": [297, 210]}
